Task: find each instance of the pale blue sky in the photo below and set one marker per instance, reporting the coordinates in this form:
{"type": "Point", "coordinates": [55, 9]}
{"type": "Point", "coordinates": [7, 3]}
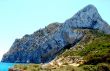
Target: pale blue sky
{"type": "Point", "coordinates": [20, 17]}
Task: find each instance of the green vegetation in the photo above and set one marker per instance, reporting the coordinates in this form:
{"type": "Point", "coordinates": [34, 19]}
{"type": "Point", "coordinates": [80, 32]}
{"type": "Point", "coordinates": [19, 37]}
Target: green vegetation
{"type": "Point", "coordinates": [97, 51]}
{"type": "Point", "coordinates": [27, 67]}
{"type": "Point", "coordinates": [98, 67]}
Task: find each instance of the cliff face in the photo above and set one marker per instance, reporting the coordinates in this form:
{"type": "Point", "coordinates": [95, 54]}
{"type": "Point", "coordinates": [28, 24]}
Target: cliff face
{"type": "Point", "coordinates": [43, 45]}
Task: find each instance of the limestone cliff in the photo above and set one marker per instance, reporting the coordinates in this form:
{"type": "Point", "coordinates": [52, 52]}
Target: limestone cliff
{"type": "Point", "coordinates": [43, 45]}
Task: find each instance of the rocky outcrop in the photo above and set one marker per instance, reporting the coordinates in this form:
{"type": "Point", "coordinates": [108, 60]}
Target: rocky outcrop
{"type": "Point", "coordinates": [43, 45]}
{"type": "Point", "coordinates": [12, 69]}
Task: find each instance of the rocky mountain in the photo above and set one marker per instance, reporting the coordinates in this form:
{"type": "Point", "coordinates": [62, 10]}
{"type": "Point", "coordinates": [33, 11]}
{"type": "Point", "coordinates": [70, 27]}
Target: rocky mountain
{"type": "Point", "coordinates": [91, 53]}
{"type": "Point", "coordinates": [45, 44]}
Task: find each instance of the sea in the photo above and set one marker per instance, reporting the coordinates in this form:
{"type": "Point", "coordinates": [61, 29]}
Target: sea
{"type": "Point", "coordinates": [5, 66]}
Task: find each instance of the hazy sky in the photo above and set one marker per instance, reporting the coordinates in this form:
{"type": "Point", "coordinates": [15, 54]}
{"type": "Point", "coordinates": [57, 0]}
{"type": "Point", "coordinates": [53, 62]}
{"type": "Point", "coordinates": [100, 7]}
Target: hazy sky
{"type": "Point", "coordinates": [20, 17]}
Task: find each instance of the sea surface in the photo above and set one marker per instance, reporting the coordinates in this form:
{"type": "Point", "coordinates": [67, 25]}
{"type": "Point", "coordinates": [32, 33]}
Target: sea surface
{"type": "Point", "coordinates": [5, 66]}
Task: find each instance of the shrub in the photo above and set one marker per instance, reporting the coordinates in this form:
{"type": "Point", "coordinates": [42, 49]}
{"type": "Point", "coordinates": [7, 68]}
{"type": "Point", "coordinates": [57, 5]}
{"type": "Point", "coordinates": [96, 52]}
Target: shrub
{"type": "Point", "coordinates": [89, 68]}
{"type": "Point", "coordinates": [103, 67]}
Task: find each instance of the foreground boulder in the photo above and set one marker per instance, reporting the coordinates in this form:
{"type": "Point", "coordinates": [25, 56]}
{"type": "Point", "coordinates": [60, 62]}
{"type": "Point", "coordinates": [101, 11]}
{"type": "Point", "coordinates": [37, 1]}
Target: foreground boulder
{"type": "Point", "coordinates": [43, 45]}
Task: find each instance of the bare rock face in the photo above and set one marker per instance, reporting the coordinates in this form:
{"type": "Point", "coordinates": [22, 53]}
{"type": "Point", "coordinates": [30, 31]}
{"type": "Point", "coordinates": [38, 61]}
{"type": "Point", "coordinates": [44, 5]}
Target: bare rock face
{"type": "Point", "coordinates": [43, 45]}
{"type": "Point", "coordinates": [88, 18]}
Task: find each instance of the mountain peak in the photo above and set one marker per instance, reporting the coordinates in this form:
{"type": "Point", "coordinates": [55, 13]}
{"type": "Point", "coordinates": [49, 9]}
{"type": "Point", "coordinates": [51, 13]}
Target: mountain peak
{"type": "Point", "coordinates": [90, 7]}
{"type": "Point", "coordinates": [88, 18]}
{"type": "Point", "coordinates": [90, 12]}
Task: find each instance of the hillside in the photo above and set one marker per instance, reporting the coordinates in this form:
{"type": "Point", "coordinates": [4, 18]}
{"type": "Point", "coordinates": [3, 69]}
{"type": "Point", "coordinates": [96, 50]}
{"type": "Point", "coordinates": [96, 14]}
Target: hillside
{"type": "Point", "coordinates": [92, 53]}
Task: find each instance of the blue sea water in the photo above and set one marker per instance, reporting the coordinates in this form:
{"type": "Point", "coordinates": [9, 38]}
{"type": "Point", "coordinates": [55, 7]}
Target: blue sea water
{"type": "Point", "coordinates": [5, 66]}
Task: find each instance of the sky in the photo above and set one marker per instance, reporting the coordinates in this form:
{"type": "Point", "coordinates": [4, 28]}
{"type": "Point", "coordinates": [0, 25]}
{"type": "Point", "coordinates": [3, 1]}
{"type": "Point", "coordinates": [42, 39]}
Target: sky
{"type": "Point", "coordinates": [20, 17]}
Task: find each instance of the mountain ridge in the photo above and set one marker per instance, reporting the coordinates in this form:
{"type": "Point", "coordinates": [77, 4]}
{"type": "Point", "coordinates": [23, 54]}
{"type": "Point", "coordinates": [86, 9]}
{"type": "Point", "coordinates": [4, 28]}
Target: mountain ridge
{"type": "Point", "coordinates": [43, 46]}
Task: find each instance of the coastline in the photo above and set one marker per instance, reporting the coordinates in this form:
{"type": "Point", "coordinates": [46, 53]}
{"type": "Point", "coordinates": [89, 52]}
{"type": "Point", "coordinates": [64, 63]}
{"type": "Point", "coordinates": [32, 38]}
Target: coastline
{"type": "Point", "coordinates": [5, 66]}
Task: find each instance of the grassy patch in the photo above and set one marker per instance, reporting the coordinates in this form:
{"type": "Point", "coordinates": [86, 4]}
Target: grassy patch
{"type": "Point", "coordinates": [27, 67]}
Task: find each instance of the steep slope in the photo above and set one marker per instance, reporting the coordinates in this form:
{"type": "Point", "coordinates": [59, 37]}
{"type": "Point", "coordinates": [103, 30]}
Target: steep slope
{"type": "Point", "coordinates": [92, 53]}
{"type": "Point", "coordinates": [43, 45]}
